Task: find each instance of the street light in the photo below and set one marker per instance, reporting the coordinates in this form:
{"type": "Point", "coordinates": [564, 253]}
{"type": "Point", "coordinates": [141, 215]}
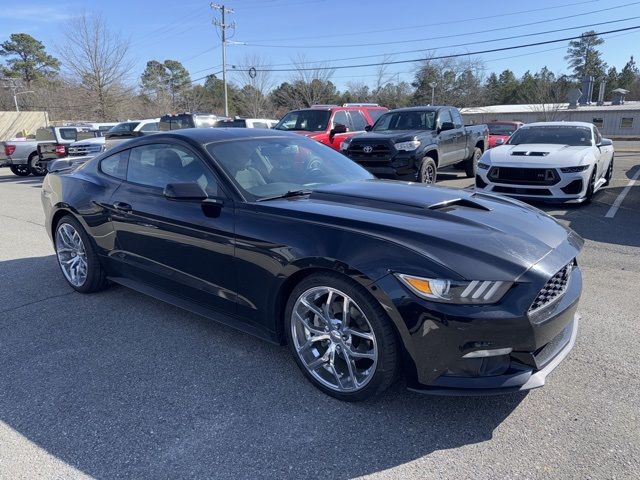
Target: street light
{"type": "Point", "coordinates": [15, 97]}
{"type": "Point", "coordinates": [433, 92]}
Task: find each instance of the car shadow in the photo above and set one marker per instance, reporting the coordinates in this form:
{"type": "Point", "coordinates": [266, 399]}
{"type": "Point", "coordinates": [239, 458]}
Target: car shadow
{"type": "Point", "coordinates": [30, 180]}
{"type": "Point", "coordinates": [117, 384]}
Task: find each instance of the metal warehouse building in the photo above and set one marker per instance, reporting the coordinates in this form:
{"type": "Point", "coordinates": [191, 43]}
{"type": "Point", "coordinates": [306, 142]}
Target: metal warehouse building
{"type": "Point", "coordinates": [618, 121]}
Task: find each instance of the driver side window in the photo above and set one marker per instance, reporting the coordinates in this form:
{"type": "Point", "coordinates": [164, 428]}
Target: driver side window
{"type": "Point", "coordinates": [340, 117]}
{"type": "Point", "coordinates": [444, 116]}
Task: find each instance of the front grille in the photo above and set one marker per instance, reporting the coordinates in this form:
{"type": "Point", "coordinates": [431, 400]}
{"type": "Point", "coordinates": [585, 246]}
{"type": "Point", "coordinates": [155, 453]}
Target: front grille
{"type": "Point", "coordinates": [529, 154]}
{"type": "Point", "coordinates": [537, 192]}
{"type": "Point", "coordinates": [553, 289]}
{"type": "Point", "coordinates": [521, 176]}
{"type": "Point", "coordinates": [369, 150]}
{"type": "Point", "coordinates": [81, 150]}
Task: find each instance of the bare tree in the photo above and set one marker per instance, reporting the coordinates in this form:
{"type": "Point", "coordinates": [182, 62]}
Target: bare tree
{"type": "Point", "coordinates": [255, 83]}
{"type": "Point", "coordinates": [99, 59]}
{"type": "Point", "coordinates": [313, 84]}
{"type": "Point", "coordinates": [547, 95]}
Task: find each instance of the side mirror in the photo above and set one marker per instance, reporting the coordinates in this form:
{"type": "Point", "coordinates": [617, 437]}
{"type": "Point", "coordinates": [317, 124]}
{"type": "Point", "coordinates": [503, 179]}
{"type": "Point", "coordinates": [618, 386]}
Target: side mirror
{"type": "Point", "coordinates": [337, 128]}
{"type": "Point", "coordinates": [368, 128]}
{"type": "Point", "coordinates": [447, 126]}
{"type": "Point", "coordinates": [605, 142]}
{"type": "Point", "coordinates": [185, 191]}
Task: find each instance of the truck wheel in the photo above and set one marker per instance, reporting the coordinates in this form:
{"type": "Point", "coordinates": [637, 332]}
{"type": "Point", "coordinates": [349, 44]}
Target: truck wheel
{"type": "Point", "coordinates": [471, 164]}
{"type": "Point", "coordinates": [36, 169]}
{"type": "Point", "coordinates": [428, 171]}
{"type": "Point", "coordinates": [20, 170]}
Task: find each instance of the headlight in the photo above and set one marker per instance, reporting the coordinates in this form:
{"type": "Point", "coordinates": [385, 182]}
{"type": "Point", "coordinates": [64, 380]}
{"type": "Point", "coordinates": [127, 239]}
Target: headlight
{"type": "Point", "coordinates": [574, 169]}
{"type": "Point", "coordinates": [407, 146]}
{"type": "Point", "coordinates": [451, 291]}
{"type": "Point", "coordinates": [483, 166]}
{"type": "Point", "coordinates": [344, 145]}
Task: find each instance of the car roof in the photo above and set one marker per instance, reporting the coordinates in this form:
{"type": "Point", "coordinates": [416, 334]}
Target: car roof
{"type": "Point", "coordinates": [210, 135]}
{"type": "Point", "coordinates": [419, 109]}
{"type": "Point", "coordinates": [559, 124]}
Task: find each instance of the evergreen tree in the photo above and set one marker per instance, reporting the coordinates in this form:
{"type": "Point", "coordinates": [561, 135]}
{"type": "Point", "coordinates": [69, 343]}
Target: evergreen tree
{"type": "Point", "coordinates": [28, 59]}
{"type": "Point", "coordinates": [584, 58]}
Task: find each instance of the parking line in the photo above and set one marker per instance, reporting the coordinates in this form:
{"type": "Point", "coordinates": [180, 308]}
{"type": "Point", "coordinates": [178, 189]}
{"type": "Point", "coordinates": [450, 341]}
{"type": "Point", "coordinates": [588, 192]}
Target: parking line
{"type": "Point", "coordinates": [614, 208]}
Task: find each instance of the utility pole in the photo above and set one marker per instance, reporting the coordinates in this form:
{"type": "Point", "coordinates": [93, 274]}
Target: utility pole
{"type": "Point", "coordinates": [223, 36]}
{"type": "Point", "coordinates": [433, 92]}
{"type": "Point", "coordinates": [13, 86]}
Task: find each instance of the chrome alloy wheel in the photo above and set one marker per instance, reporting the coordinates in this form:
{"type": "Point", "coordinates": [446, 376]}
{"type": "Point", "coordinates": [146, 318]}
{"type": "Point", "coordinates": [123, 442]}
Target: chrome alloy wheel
{"type": "Point", "coordinates": [334, 339]}
{"type": "Point", "coordinates": [428, 175]}
{"type": "Point", "coordinates": [72, 255]}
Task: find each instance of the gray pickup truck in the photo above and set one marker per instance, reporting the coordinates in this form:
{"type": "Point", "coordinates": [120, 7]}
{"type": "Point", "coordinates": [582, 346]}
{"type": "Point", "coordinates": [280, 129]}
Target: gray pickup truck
{"type": "Point", "coordinates": [413, 143]}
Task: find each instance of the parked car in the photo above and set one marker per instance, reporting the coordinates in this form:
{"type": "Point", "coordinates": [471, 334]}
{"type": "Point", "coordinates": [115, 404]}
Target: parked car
{"type": "Point", "coordinates": [246, 123]}
{"type": "Point", "coordinates": [87, 148]}
{"type": "Point", "coordinates": [499, 132]}
{"type": "Point", "coordinates": [130, 129]}
{"type": "Point", "coordinates": [188, 120]}
{"type": "Point", "coordinates": [282, 237]}
{"type": "Point", "coordinates": [331, 124]}
{"type": "Point", "coordinates": [413, 143]}
{"type": "Point", "coordinates": [53, 144]}
{"type": "Point", "coordinates": [549, 161]}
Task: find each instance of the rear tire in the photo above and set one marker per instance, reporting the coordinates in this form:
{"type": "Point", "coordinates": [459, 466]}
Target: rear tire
{"type": "Point", "coordinates": [35, 168]}
{"type": "Point", "coordinates": [72, 244]}
{"type": "Point", "coordinates": [471, 165]}
{"type": "Point", "coordinates": [428, 171]}
{"type": "Point", "coordinates": [353, 359]}
{"type": "Point", "coordinates": [20, 170]}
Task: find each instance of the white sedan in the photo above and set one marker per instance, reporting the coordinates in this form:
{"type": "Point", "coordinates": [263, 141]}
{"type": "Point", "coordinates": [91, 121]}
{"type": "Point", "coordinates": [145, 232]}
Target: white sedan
{"type": "Point", "coordinates": [548, 161]}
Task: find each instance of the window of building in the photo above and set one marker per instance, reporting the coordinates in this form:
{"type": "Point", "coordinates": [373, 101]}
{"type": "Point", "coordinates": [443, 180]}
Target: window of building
{"type": "Point", "coordinates": [626, 122]}
{"type": "Point", "coordinates": [598, 122]}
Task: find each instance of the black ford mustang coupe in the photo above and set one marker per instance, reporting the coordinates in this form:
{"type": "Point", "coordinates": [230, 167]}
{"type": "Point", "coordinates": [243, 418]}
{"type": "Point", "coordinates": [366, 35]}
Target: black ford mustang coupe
{"type": "Point", "coordinates": [364, 279]}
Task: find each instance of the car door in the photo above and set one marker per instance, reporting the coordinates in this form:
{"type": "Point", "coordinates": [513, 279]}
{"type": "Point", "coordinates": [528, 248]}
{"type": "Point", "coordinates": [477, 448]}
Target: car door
{"type": "Point", "coordinates": [446, 139]}
{"type": "Point", "coordinates": [461, 149]}
{"type": "Point", "coordinates": [340, 118]}
{"type": "Point", "coordinates": [183, 247]}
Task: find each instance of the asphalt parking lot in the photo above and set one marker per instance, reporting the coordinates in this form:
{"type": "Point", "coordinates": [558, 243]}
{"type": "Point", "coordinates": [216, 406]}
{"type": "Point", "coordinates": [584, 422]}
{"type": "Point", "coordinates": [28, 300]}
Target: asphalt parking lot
{"type": "Point", "coordinates": [117, 384]}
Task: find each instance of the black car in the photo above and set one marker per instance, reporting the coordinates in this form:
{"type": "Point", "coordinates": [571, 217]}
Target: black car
{"type": "Point", "coordinates": [364, 279]}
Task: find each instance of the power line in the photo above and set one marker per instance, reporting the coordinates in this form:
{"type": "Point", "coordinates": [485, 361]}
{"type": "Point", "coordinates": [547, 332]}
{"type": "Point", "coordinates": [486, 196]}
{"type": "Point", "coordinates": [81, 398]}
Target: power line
{"type": "Point", "coordinates": [440, 57]}
{"type": "Point", "coordinates": [376, 44]}
{"type": "Point", "coordinates": [412, 27]}
{"type": "Point", "coordinates": [404, 52]}
{"type": "Point", "coordinates": [223, 31]}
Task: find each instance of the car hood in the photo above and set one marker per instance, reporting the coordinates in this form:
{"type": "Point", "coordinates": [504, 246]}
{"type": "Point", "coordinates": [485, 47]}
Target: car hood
{"type": "Point", "coordinates": [393, 135]}
{"type": "Point", "coordinates": [537, 155]}
{"type": "Point", "coordinates": [477, 236]}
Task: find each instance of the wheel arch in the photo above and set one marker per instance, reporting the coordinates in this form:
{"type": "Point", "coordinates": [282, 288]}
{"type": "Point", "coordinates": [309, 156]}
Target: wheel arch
{"type": "Point", "coordinates": [433, 154]}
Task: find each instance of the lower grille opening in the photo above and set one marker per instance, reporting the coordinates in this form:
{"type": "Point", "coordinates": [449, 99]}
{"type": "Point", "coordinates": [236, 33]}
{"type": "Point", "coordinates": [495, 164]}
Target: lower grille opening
{"type": "Point", "coordinates": [523, 191]}
{"type": "Point", "coordinates": [573, 188]}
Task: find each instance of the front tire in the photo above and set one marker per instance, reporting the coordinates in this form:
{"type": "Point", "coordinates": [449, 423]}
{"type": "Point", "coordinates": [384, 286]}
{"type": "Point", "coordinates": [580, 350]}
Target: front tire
{"type": "Point", "coordinates": [591, 188]}
{"type": "Point", "coordinates": [428, 171]}
{"type": "Point", "coordinates": [609, 175]}
{"type": "Point", "coordinates": [341, 338]}
{"type": "Point", "coordinates": [36, 169]}
{"type": "Point", "coordinates": [77, 258]}
{"type": "Point", "coordinates": [471, 165]}
{"type": "Point", "coordinates": [20, 170]}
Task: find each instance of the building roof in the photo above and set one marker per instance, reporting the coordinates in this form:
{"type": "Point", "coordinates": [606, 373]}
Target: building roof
{"type": "Point", "coordinates": [549, 107]}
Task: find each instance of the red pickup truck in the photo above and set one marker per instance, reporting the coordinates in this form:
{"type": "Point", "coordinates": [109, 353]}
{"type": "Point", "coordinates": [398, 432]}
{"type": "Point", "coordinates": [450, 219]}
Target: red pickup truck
{"type": "Point", "coordinates": [331, 124]}
{"type": "Point", "coordinates": [499, 132]}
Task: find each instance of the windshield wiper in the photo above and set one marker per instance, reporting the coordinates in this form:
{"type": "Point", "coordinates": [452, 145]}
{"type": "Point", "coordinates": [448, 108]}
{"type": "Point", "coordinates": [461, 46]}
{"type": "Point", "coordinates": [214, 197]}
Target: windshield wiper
{"type": "Point", "coordinates": [287, 194]}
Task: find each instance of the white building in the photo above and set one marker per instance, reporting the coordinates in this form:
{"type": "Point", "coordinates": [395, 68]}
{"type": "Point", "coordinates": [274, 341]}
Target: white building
{"type": "Point", "coordinates": [618, 121]}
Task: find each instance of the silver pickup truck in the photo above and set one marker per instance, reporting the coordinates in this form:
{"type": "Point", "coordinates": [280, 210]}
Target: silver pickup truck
{"type": "Point", "coordinates": [23, 157]}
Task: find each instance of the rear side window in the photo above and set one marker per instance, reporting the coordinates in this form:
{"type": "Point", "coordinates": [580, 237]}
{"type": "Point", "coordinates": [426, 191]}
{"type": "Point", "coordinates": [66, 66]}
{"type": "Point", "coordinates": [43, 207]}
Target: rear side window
{"type": "Point", "coordinates": [357, 120]}
{"type": "Point", "coordinates": [340, 117]}
{"type": "Point", "coordinates": [115, 165]}
{"type": "Point", "coordinates": [260, 125]}
{"type": "Point", "coordinates": [149, 127]}
{"type": "Point", "coordinates": [45, 134]}
{"type": "Point", "coordinates": [68, 133]}
{"type": "Point", "coordinates": [445, 116]}
{"type": "Point", "coordinates": [457, 119]}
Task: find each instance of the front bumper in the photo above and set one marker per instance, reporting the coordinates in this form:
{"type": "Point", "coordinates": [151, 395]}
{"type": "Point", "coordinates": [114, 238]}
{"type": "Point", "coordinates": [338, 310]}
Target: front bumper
{"type": "Point", "coordinates": [436, 337]}
{"type": "Point", "coordinates": [571, 188]}
{"type": "Point", "coordinates": [393, 166]}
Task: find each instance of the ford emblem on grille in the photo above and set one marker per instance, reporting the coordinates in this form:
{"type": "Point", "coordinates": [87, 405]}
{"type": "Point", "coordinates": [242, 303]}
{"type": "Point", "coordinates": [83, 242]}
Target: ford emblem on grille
{"type": "Point", "coordinates": [367, 149]}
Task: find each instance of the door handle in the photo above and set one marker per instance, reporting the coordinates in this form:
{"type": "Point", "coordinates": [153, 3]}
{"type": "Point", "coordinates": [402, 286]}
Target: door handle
{"type": "Point", "coordinates": [122, 207]}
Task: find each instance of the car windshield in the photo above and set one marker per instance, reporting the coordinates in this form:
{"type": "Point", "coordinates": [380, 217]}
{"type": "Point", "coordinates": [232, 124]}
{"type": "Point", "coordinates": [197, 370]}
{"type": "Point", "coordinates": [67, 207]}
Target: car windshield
{"type": "Point", "coordinates": [556, 134]}
{"type": "Point", "coordinates": [411, 120]}
{"type": "Point", "coordinates": [271, 167]}
{"type": "Point", "coordinates": [308, 120]}
{"type": "Point", "coordinates": [125, 127]}
{"type": "Point", "coordinates": [501, 129]}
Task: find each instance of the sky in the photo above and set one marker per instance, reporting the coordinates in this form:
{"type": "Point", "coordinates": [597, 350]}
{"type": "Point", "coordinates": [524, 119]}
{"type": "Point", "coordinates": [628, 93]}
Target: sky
{"type": "Point", "coordinates": [330, 31]}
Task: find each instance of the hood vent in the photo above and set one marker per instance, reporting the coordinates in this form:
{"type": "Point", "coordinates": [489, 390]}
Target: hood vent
{"type": "Point", "coordinates": [522, 153]}
{"type": "Point", "coordinates": [457, 202]}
